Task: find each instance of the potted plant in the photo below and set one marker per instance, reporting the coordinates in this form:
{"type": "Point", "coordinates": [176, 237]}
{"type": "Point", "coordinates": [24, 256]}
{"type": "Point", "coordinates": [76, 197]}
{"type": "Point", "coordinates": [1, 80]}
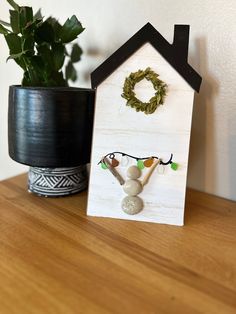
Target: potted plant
{"type": "Point", "coordinates": [49, 123]}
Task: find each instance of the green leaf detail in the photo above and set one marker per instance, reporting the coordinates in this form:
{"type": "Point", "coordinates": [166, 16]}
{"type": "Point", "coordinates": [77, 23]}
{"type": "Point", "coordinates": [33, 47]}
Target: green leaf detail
{"type": "Point", "coordinates": [39, 47]}
{"type": "Point", "coordinates": [15, 21]}
{"type": "Point", "coordinates": [28, 44]}
{"type": "Point", "coordinates": [17, 55]}
{"type": "Point", "coordinates": [14, 43]}
{"type": "Point", "coordinates": [174, 166]}
{"type": "Point", "coordinates": [57, 79]}
{"type": "Point", "coordinates": [3, 30]}
{"type": "Point", "coordinates": [36, 71]}
{"type": "Point", "coordinates": [58, 51]}
{"type": "Point", "coordinates": [25, 17]}
{"type": "Point", "coordinates": [14, 5]}
{"type": "Point", "coordinates": [56, 26]}
{"type": "Point", "coordinates": [38, 15]}
{"type": "Point", "coordinates": [140, 164]}
{"type": "Point", "coordinates": [31, 28]}
{"type": "Point", "coordinates": [46, 55]}
{"type": "Point", "coordinates": [76, 53]}
{"type": "Point", "coordinates": [71, 72]}
{"type": "Point", "coordinates": [44, 33]}
{"type": "Point", "coordinates": [5, 23]}
{"type": "Point", "coordinates": [133, 101]}
{"type": "Point", "coordinates": [26, 80]}
{"type": "Point", "coordinates": [71, 29]}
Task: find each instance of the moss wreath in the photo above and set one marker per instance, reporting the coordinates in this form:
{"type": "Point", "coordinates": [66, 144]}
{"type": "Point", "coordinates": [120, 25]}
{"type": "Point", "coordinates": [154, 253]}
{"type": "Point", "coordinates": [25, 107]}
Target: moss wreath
{"type": "Point", "coordinates": [133, 101]}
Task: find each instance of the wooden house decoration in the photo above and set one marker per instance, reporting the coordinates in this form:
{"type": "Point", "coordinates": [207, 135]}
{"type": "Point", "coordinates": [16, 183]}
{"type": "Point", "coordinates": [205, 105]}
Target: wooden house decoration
{"type": "Point", "coordinates": [143, 112]}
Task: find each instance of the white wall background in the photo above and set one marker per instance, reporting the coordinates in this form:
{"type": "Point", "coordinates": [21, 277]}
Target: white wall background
{"type": "Point", "coordinates": [212, 53]}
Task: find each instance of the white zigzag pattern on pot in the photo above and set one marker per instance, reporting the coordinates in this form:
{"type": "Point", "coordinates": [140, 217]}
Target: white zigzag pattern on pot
{"type": "Point", "coordinates": [57, 182]}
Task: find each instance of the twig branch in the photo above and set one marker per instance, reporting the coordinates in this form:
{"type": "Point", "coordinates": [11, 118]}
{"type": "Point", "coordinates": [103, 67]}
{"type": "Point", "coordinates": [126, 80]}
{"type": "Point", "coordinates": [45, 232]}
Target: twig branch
{"type": "Point", "coordinates": [148, 175]}
{"type": "Point", "coordinates": [113, 171]}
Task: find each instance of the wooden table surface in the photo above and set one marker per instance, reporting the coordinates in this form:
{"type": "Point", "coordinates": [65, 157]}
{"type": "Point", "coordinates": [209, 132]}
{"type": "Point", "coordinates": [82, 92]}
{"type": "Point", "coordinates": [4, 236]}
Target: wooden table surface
{"type": "Point", "coordinates": [54, 259]}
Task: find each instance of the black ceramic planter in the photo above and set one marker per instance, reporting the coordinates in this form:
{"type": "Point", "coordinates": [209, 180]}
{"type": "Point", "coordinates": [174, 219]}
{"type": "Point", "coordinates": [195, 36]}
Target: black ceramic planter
{"type": "Point", "coordinates": [51, 128]}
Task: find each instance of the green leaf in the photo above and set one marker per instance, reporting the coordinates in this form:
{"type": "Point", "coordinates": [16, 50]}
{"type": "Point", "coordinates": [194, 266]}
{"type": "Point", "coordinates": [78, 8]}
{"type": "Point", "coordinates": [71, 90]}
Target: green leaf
{"type": "Point", "coordinates": [3, 30]}
{"type": "Point", "coordinates": [56, 27]}
{"type": "Point", "coordinates": [20, 62]}
{"type": "Point", "coordinates": [76, 53]}
{"type": "Point", "coordinates": [19, 59]}
{"type": "Point", "coordinates": [71, 72]}
{"type": "Point", "coordinates": [26, 79]}
{"type": "Point", "coordinates": [58, 79]}
{"type": "Point", "coordinates": [15, 21]}
{"type": "Point", "coordinates": [71, 29]}
{"type": "Point", "coordinates": [15, 47]}
{"type": "Point", "coordinates": [28, 44]}
{"type": "Point", "coordinates": [17, 55]}
{"type": "Point", "coordinates": [35, 70]}
{"type": "Point", "coordinates": [36, 62]}
{"type": "Point", "coordinates": [44, 33]}
{"type": "Point", "coordinates": [5, 23]}
{"type": "Point", "coordinates": [34, 77]}
{"type": "Point", "coordinates": [58, 51]}
{"type": "Point", "coordinates": [31, 27]}
{"type": "Point", "coordinates": [14, 43]}
{"type": "Point", "coordinates": [13, 4]}
{"type": "Point", "coordinates": [38, 15]}
{"type": "Point", "coordinates": [46, 55]}
{"type": "Point", "coordinates": [25, 16]}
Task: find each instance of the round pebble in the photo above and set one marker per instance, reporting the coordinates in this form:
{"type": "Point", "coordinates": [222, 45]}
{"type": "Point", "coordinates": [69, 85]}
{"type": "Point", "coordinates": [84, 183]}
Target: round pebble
{"type": "Point", "coordinates": [132, 187]}
{"type": "Point", "coordinates": [133, 172]}
{"type": "Point", "coordinates": [132, 205]}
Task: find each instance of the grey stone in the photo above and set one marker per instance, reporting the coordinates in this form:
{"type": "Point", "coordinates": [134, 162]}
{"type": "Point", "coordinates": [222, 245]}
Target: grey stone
{"type": "Point", "coordinates": [132, 205]}
{"type": "Point", "coordinates": [132, 187]}
{"type": "Point", "coordinates": [133, 172]}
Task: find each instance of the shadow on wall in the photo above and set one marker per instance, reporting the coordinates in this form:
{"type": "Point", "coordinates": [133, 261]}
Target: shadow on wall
{"type": "Point", "coordinates": [96, 56]}
{"type": "Point", "coordinates": [202, 159]}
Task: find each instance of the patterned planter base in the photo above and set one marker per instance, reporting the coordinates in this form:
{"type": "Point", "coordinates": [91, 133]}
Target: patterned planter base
{"type": "Point", "coordinates": [55, 182]}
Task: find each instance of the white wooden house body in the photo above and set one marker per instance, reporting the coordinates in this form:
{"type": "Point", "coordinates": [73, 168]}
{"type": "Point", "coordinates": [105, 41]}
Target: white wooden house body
{"type": "Point", "coordinates": [118, 127]}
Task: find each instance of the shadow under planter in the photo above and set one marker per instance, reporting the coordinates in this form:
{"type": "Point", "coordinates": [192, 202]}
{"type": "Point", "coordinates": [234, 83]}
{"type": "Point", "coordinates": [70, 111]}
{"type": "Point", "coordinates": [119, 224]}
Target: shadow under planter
{"type": "Point", "coordinates": [50, 129]}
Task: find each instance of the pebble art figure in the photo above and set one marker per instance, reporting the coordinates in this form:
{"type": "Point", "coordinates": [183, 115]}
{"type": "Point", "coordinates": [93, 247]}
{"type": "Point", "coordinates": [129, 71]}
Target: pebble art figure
{"type": "Point", "coordinates": [132, 204]}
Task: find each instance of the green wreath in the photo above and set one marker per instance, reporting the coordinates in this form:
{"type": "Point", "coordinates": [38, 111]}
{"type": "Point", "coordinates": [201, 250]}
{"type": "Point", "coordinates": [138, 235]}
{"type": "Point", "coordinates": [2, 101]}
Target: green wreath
{"type": "Point", "coordinates": [133, 101]}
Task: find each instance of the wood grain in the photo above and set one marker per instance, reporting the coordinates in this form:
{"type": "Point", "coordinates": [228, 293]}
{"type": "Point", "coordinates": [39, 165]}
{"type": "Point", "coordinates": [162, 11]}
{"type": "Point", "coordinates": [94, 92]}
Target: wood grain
{"type": "Point", "coordinates": [55, 259]}
{"type": "Point", "coordinates": [118, 127]}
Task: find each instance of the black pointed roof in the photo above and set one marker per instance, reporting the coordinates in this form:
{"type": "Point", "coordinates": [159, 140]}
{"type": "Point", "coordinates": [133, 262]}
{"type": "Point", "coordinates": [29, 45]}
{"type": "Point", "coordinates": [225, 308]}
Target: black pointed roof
{"type": "Point", "coordinates": [176, 54]}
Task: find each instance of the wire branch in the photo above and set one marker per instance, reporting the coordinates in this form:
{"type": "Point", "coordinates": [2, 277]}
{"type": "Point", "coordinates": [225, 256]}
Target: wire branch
{"type": "Point", "coordinates": [112, 155]}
